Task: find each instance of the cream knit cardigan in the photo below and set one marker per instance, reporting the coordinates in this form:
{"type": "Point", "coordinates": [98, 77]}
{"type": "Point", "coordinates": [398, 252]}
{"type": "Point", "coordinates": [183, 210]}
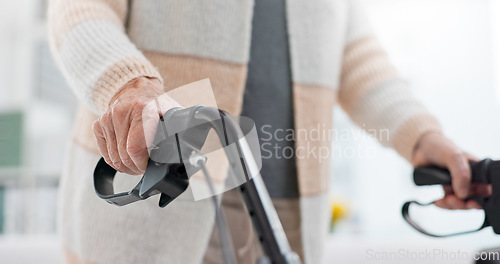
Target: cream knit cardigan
{"type": "Point", "coordinates": [102, 44]}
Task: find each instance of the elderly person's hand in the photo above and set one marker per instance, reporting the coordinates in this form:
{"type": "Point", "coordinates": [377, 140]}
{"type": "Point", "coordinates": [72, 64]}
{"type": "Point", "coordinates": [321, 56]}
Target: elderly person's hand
{"type": "Point", "coordinates": [436, 149]}
{"type": "Point", "coordinates": [131, 118]}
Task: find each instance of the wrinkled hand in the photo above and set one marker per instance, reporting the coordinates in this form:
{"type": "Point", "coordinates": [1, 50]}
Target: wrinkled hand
{"type": "Point", "coordinates": [435, 149]}
{"type": "Point", "coordinates": [132, 117]}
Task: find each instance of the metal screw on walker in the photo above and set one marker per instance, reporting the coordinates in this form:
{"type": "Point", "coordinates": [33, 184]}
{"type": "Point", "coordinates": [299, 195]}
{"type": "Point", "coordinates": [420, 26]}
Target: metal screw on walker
{"type": "Point", "coordinates": [176, 155]}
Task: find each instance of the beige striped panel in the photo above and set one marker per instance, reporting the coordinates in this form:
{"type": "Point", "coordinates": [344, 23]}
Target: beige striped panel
{"type": "Point", "coordinates": [313, 110]}
{"type": "Point", "coordinates": [379, 101]}
{"type": "Point", "coordinates": [370, 90]}
{"type": "Point", "coordinates": [65, 14]}
{"type": "Point", "coordinates": [227, 79]}
{"type": "Point", "coordinates": [365, 65]}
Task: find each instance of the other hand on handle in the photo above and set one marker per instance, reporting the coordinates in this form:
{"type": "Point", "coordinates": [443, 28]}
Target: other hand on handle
{"type": "Point", "coordinates": [435, 149]}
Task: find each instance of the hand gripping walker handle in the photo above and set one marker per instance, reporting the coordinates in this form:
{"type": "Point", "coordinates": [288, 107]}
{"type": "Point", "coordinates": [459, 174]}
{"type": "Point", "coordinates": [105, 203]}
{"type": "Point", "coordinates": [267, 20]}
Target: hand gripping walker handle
{"type": "Point", "coordinates": [485, 171]}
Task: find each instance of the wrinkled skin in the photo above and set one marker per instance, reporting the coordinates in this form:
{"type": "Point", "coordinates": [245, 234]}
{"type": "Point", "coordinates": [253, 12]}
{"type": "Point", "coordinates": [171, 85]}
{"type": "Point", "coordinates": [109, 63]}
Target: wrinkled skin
{"type": "Point", "coordinates": [123, 131]}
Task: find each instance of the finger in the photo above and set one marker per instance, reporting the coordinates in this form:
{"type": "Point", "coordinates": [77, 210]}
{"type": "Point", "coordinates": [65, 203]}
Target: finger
{"type": "Point", "coordinates": [152, 111]}
{"type": "Point", "coordinates": [111, 144]}
{"type": "Point", "coordinates": [442, 204]}
{"type": "Point", "coordinates": [471, 157]}
{"type": "Point", "coordinates": [447, 189]}
{"type": "Point", "coordinates": [455, 203]}
{"type": "Point", "coordinates": [136, 143]}
{"type": "Point", "coordinates": [451, 202]}
{"type": "Point", "coordinates": [101, 141]}
{"type": "Point", "coordinates": [150, 117]}
{"type": "Point", "coordinates": [471, 204]}
{"type": "Point", "coordinates": [480, 189]}
{"type": "Point", "coordinates": [460, 174]}
{"type": "Point", "coordinates": [121, 123]}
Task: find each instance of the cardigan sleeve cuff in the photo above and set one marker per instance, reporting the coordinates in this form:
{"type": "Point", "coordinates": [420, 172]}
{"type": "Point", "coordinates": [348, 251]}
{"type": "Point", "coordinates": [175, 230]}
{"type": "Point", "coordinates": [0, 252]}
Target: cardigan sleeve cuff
{"type": "Point", "coordinates": [117, 76]}
{"type": "Point", "coordinates": [411, 131]}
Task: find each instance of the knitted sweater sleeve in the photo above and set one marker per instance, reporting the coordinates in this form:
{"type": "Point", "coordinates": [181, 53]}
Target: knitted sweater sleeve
{"type": "Point", "coordinates": [374, 96]}
{"type": "Point", "coordinates": [88, 41]}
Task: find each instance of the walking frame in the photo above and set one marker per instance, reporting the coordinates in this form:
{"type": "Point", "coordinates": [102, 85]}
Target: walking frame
{"type": "Point", "coordinates": [175, 156]}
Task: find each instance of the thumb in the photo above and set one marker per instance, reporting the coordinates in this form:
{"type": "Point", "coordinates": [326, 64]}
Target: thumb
{"type": "Point", "coordinates": [151, 113]}
{"type": "Point", "coordinates": [459, 168]}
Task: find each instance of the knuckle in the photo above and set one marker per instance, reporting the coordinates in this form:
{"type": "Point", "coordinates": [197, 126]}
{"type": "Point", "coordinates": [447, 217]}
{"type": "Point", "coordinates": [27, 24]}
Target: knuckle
{"type": "Point", "coordinates": [127, 161]}
{"type": "Point", "coordinates": [104, 118]}
{"type": "Point", "coordinates": [463, 177]}
{"type": "Point", "coordinates": [456, 158]}
{"type": "Point", "coordinates": [138, 104]}
{"type": "Point", "coordinates": [134, 150]}
{"type": "Point", "coordinates": [122, 145]}
{"type": "Point", "coordinates": [457, 155]}
{"type": "Point", "coordinates": [460, 182]}
{"type": "Point", "coordinates": [118, 165]}
{"type": "Point", "coordinates": [118, 111]}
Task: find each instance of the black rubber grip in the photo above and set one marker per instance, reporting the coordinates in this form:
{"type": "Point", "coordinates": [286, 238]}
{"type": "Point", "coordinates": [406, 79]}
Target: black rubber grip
{"type": "Point", "coordinates": [431, 175]}
{"type": "Point", "coordinates": [481, 171]}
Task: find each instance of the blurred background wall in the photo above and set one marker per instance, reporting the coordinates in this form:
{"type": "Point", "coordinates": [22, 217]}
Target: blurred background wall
{"type": "Point", "coordinates": [446, 49]}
